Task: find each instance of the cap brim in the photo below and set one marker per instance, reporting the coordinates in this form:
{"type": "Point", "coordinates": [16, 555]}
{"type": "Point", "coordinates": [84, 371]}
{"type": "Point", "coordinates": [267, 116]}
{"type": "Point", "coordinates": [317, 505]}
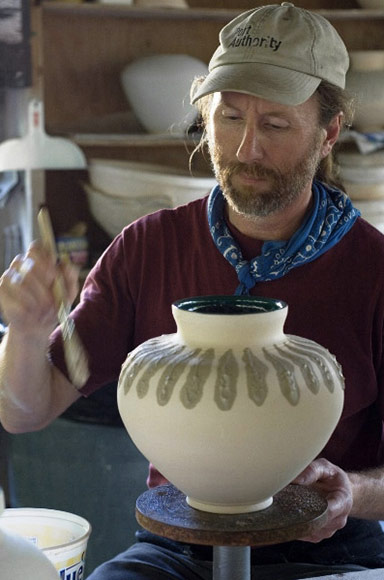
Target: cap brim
{"type": "Point", "coordinates": [270, 82]}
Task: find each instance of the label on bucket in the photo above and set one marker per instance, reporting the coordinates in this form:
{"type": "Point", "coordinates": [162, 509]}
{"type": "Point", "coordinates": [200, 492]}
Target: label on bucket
{"type": "Point", "coordinates": [71, 570]}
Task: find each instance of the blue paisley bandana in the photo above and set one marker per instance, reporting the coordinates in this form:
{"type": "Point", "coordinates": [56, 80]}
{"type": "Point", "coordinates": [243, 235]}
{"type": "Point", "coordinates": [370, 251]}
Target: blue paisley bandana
{"type": "Point", "coordinates": [332, 216]}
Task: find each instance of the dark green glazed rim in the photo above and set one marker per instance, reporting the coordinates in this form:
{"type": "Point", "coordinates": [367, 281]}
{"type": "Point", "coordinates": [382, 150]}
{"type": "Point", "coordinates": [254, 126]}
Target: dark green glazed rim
{"type": "Point", "coordinates": [229, 304]}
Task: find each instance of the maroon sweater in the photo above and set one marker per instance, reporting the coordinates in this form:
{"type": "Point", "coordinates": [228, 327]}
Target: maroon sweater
{"type": "Point", "coordinates": [336, 300]}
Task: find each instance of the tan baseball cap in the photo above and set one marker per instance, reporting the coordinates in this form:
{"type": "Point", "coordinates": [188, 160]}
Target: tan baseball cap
{"type": "Point", "coordinates": [278, 52]}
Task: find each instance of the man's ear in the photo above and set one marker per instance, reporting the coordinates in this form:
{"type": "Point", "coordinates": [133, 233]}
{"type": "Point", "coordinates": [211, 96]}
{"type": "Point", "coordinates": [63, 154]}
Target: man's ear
{"type": "Point", "coordinates": [332, 134]}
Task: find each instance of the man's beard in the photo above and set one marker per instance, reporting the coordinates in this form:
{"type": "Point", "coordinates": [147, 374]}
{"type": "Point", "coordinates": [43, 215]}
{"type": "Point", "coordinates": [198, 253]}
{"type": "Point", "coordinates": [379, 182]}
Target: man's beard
{"type": "Point", "coordinates": [282, 189]}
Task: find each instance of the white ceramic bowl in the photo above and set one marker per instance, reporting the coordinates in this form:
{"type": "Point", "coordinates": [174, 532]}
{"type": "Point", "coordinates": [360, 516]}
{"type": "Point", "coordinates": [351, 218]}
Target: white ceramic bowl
{"type": "Point", "coordinates": [132, 179]}
{"type": "Point", "coordinates": [364, 191]}
{"type": "Point", "coordinates": [360, 160]}
{"type": "Point", "coordinates": [367, 175]}
{"type": "Point", "coordinates": [157, 88]}
{"type": "Point", "coordinates": [122, 191]}
{"type": "Point", "coordinates": [113, 213]}
{"type": "Point", "coordinates": [362, 175]}
{"type": "Point", "coordinates": [366, 60]}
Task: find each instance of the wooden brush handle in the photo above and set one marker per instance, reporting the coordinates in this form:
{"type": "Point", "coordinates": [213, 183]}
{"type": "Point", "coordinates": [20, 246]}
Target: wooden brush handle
{"type": "Point", "coordinates": [46, 231]}
{"type": "Point", "coordinates": [48, 239]}
{"type": "Point", "coordinates": [75, 355]}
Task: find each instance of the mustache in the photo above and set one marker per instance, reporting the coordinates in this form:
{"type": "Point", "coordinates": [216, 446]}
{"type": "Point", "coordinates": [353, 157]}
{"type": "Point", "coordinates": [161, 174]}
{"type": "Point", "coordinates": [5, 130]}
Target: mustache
{"type": "Point", "coordinates": [255, 170]}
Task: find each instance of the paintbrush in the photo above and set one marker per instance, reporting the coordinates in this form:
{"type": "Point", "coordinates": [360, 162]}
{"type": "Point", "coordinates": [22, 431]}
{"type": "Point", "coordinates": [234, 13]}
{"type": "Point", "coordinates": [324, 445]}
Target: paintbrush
{"type": "Point", "coordinates": [75, 355]}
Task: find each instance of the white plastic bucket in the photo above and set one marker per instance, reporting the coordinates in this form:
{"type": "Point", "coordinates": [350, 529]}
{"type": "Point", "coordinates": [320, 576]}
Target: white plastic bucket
{"type": "Point", "coordinates": [62, 536]}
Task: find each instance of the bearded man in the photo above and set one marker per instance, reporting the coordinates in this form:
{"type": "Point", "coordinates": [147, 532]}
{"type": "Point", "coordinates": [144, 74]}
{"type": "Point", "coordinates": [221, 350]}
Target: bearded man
{"type": "Point", "coordinates": [276, 225]}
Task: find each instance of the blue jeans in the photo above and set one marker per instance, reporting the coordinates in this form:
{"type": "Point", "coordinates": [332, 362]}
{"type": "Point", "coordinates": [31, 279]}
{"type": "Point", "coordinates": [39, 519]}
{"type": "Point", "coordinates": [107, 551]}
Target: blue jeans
{"type": "Point", "coordinates": [359, 546]}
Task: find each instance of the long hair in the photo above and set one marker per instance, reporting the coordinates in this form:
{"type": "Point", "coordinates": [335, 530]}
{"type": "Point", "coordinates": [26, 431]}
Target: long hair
{"type": "Point", "coordinates": [332, 101]}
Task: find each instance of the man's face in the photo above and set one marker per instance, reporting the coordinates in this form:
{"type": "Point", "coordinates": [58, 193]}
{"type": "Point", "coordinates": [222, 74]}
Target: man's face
{"type": "Point", "coordinates": [264, 155]}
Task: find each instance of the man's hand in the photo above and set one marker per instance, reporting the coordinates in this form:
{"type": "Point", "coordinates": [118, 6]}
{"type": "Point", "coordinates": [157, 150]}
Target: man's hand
{"type": "Point", "coordinates": [26, 296]}
{"type": "Point", "coordinates": [32, 391]}
{"type": "Point", "coordinates": [334, 485]}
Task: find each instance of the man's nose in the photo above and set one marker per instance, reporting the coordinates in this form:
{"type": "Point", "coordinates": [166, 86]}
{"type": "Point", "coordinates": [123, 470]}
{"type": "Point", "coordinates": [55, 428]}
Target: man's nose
{"type": "Point", "coordinates": [250, 148]}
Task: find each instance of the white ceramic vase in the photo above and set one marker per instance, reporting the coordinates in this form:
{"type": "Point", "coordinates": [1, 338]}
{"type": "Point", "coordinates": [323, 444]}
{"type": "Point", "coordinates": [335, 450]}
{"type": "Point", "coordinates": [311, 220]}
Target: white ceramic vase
{"type": "Point", "coordinates": [230, 409]}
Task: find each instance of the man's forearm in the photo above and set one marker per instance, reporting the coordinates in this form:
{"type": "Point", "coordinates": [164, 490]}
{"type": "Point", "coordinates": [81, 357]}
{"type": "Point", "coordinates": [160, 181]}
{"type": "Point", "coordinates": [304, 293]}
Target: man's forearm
{"type": "Point", "coordinates": [368, 494]}
{"type": "Point", "coordinates": [32, 392]}
{"type": "Point", "coordinates": [25, 376]}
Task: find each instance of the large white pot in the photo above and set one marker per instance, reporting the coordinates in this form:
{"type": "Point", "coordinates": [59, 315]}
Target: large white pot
{"type": "Point", "coordinates": [158, 86]}
{"type": "Point", "coordinates": [229, 408]}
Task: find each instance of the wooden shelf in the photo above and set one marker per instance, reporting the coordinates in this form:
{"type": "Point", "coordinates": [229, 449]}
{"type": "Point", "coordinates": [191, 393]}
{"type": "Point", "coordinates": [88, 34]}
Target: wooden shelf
{"type": "Point", "coordinates": [99, 10]}
{"type": "Point", "coordinates": [123, 140]}
{"type": "Point", "coordinates": [95, 9]}
{"type": "Point", "coordinates": [85, 46]}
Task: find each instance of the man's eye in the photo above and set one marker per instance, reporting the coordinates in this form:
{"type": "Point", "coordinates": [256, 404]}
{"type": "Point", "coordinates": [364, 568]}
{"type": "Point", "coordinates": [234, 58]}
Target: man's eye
{"type": "Point", "coordinates": [275, 126]}
{"type": "Point", "coordinates": [231, 115]}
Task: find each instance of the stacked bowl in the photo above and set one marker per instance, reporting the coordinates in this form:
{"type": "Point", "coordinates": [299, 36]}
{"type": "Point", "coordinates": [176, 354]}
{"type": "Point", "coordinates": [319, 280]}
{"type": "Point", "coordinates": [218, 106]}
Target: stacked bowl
{"type": "Point", "coordinates": [119, 192]}
{"type": "Point", "coordinates": [365, 81]}
{"type": "Point", "coordinates": [363, 174]}
{"type": "Point", "coordinates": [363, 178]}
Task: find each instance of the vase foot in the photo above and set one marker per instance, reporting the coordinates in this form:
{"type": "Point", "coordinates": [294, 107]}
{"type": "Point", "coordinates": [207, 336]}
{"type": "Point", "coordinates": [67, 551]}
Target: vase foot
{"type": "Point", "coordinates": [229, 509]}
